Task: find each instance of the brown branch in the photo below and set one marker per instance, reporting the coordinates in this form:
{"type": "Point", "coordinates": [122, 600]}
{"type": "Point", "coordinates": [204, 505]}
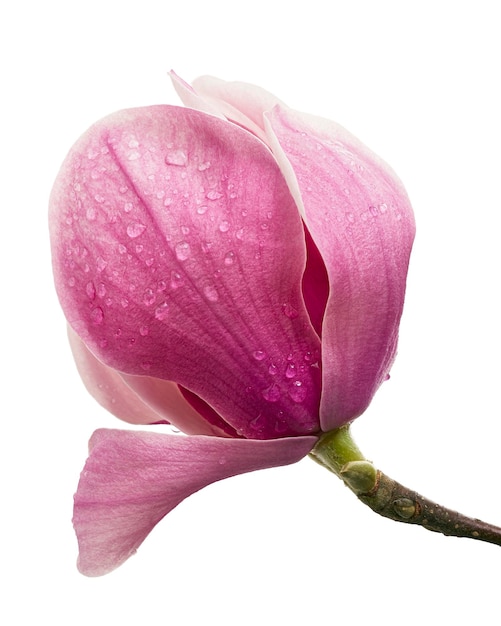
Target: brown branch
{"type": "Point", "coordinates": [391, 499]}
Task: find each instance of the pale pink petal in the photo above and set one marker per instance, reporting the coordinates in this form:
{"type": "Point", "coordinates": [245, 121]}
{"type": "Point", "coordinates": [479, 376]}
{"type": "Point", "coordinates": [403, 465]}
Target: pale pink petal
{"type": "Point", "coordinates": [178, 253]}
{"type": "Point", "coordinates": [360, 218]}
{"type": "Point", "coordinates": [133, 479]}
{"type": "Point", "coordinates": [192, 99]}
{"type": "Point", "coordinates": [137, 399]}
{"type": "Point", "coordinates": [168, 400]}
{"type": "Point", "coordinates": [241, 103]}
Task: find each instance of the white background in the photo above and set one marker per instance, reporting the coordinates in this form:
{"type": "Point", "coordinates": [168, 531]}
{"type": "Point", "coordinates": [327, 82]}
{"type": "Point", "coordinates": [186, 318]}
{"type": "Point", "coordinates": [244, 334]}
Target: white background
{"type": "Point", "coordinates": [417, 82]}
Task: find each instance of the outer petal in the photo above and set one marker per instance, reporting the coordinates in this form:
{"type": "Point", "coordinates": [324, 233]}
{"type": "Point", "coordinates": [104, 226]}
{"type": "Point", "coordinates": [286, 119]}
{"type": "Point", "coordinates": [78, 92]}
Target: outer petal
{"type": "Point", "coordinates": [360, 218]}
{"type": "Point", "coordinates": [178, 253]}
{"type": "Point", "coordinates": [137, 399]}
{"type": "Point", "coordinates": [133, 479]}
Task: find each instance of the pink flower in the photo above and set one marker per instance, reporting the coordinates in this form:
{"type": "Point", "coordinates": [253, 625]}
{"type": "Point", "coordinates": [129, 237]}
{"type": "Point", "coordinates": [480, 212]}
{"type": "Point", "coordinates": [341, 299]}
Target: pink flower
{"type": "Point", "coordinates": [245, 287]}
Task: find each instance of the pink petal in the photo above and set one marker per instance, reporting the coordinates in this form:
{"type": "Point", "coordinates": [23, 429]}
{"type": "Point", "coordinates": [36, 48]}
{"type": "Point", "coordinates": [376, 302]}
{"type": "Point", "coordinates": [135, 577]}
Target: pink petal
{"type": "Point", "coordinates": [137, 399]}
{"type": "Point", "coordinates": [133, 479]}
{"type": "Point", "coordinates": [360, 218]}
{"type": "Point", "coordinates": [178, 254]}
{"type": "Point", "coordinates": [242, 103]}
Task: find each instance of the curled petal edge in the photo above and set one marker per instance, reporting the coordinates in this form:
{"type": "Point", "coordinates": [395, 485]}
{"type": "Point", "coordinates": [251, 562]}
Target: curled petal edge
{"type": "Point", "coordinates": [131, 480]}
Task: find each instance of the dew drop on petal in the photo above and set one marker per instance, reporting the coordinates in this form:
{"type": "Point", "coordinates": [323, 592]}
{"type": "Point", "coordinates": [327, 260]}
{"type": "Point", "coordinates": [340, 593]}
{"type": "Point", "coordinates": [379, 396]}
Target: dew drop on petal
{"type": "Point", "coordinates": [210, 293]}
{"type": "Point", "coordinates": [272, 393]}
{"type": "Point", "coordinates": [176, 157]}
{"type": "Point", "coordinates": [259, 355]}
{"type": "Point", "coordinates": [134, 229]}
{"type": "Point", "coordinates": [182, 251]}
{"type": "Point", "coordinates": [176, 280]}
{"type": "Point", "coordinates": [290, 370]}
{"type": "Point", "coordinates": [91, 214]}
{"type": "Point", "coordinates": [273, 370]}
{"type": "Point", "coordinates": [229, 258]}
{"type": "Point", "coordinates": [149, 297]}
{"type": "Point", "coordinates": [162, 311]}
{"type": "Point", "coordinates": [289, 311]}
{"type": "Point", "coordinates": [101, 263]}
{"type": "Point", "coordinates": [143, 331]}
{"type": "Point", "coordinates": [90, 290]}
{"type": "Point", "coordinates": [297, 391]}
{"type": "Point", "coordinates": [97, 315]}
{"type": "Point", "coordinates": [201, 210]}
{"type": "Point", "coordinates": [224, 226]}
{"type": "Point", "coordinates": [214, 195]}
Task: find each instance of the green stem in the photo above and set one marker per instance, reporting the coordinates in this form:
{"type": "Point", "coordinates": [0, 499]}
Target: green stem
{"type": "Point", "coordinates": [337, 451]}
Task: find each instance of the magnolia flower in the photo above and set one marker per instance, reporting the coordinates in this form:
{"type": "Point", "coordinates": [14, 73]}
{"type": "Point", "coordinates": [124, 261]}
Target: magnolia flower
{"type": "Point", "coordinates": [237, 271]}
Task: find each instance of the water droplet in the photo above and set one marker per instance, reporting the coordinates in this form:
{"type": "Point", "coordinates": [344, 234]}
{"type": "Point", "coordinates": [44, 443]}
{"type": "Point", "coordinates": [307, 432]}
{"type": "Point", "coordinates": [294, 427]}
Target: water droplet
{"type": "Point", "coordinates": [101, 290]}
{"type": "Point", "coordinates": [297, 391]}
{"type": "Point", "coordinates": [204, 166]}
{"type": "Point", "coordinates": [229, 258]}
{"type": "Point", "coordinates": [240, 234]}
{"type": "Point", "coordinates": [211, 293]}
{"type": "Point", "coordinates": [97, 315]}
{"type": "Point", "coordinates": [101, 264]}
{"type": "Point", "coordinates": [290, 370]}
{"type": "Point", "coordinates": [176, 280]}
{"type": "Point", "coordinates": [383, 207]}
{"type": "Point", "coordinates": [259, 355]}
{"type": "Point", "coordinates": [71, 281]}
{"type": "Point", "coordinates": [149, 297]}
{"type": "Point", "coordinates": [134, 229]}
{"type": "Point", "coordinates": [224, 226]}
{"type": "Point", "coordinates": [143, 331]}
{"type": "Point", "coordinates": [90, 290]}
{"type": "Point", "coordinates": [202, 209]}
{"type": "Point", "coordinates": [128, 206]}
{"type": "Point", "coordinates": [176, 157]}
{"type": "Point", "coordinates": [183, 251]}
{"type": "Point", "coordinates": [121, 248]}
{"type": "Point", "coordinates": [273, 370]}
{"type": "Point", "coordinates": [91, 213]}
{"type": "Point", "coordinates": [162, 311]}
{"type": "Point", "coordinates": [374, 210]}
{"type": "Point", "coordinates": [123, 189]}
{"type": "Point", "coordinates": [214, 195]}
{"type": "Point", "coordinates": [185, 230]}
{"type": "Point", "coordinates": [289, 311]}
{"type": "Point", "coordinates": [272, 393]}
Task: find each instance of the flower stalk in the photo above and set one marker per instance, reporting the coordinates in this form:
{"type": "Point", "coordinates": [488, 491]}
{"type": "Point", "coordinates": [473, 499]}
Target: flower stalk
{"type": "Point", "coordinates": [337, 451]}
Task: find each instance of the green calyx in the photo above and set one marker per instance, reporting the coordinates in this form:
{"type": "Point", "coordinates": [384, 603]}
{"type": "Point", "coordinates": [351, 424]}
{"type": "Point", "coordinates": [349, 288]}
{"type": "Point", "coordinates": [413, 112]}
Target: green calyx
{"type": "Point", "coordinates": [337, 451]}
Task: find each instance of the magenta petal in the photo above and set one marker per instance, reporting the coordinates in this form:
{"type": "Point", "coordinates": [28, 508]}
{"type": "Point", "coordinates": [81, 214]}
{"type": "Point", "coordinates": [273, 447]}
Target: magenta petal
{"type": "Point", "coordinates": [360, 218]}
{"type": "Point", "coordinates": [178, 253]}
{"type": "Point", "coordinates": [131, 480]}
